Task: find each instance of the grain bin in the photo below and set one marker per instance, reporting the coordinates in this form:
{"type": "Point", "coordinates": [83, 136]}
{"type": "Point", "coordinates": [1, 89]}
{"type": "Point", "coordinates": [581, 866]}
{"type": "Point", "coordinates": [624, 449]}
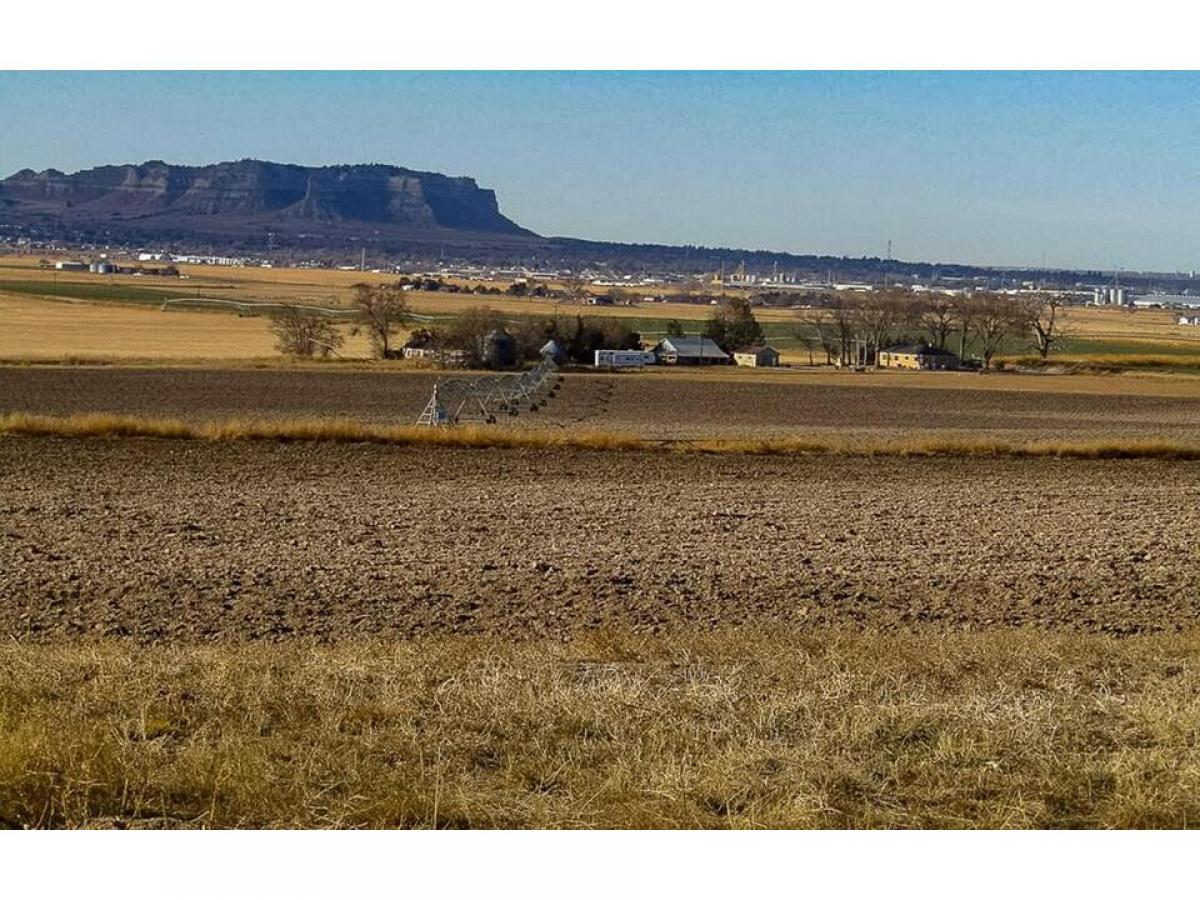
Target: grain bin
{"type": "Point", "coordinates": [499, 349]}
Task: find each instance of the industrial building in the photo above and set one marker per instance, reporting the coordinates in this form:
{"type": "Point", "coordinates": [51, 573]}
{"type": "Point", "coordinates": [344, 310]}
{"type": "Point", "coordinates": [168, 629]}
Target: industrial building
{"type": "Point", "coordinates": [1154, 301]}
{"type": "Point", "coordinates": [689, 351]}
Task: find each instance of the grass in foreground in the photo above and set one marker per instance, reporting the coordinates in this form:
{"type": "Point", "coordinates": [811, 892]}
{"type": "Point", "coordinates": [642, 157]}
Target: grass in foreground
{"type": "Point", "coordinates": [113, 425]}
{"type": "Point", "coordinates": [997, 729]}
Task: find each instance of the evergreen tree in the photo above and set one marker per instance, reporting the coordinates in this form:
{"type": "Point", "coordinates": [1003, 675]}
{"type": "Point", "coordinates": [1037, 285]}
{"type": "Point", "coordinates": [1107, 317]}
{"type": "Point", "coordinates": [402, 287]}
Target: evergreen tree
{"type": "Point", "coordinates": [733, 325]}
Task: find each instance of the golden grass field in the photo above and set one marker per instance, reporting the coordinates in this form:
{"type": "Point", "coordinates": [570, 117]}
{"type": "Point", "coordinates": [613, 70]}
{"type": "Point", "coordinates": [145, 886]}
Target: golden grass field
{"type": "Point", "coordinates": [37, 329]}
{"type": "Point", "coordinates": [717, 730]}
{"type": "Point", "coordinates": [335, 288]}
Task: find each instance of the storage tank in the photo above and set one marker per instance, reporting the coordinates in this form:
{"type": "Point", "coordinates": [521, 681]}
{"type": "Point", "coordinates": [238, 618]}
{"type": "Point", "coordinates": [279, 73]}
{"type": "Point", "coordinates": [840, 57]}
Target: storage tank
{"type": "Point", "coordinates": [552, 350]}
{"type": "Point", "coordinates": [499, 350]}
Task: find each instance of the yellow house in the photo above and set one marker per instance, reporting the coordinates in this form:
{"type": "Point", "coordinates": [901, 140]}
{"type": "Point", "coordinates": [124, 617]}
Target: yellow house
{"type": "Point", "coordinates": [916, 356]}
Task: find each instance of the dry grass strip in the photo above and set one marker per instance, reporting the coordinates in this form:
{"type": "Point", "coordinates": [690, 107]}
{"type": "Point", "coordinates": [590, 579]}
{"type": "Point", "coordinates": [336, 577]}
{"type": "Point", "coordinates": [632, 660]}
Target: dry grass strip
{"type": "Point", "coordinates": [112, 425]}
{"type": "Point", "coordinates": [830, 730]}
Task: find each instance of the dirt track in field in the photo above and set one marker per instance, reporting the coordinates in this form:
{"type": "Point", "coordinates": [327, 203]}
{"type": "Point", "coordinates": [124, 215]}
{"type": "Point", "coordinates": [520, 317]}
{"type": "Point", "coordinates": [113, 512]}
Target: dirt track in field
{"type": "Point", "coordinates": [656, 405]}
{"type": "Point", "coordinates": [159, 540]}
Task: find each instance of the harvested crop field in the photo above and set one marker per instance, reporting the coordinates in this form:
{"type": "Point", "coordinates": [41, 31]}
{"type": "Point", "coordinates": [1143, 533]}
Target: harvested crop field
{"type": "Point", "coordinates": [661, 405]}
{"type": "Point", "coordinates": [182, 541]}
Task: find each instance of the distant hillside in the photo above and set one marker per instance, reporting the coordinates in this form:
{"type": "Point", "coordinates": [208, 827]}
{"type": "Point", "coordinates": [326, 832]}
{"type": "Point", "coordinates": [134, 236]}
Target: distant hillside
{"type": "Point", "coordinates": [252, 197]}
{"type": "Point", "coordinates": [332, 213]}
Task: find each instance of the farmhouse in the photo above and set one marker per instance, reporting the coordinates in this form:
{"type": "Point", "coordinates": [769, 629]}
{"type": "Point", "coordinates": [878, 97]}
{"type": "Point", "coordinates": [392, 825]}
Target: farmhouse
{"type": "Point", "coordinates": [1189, 320]}
{"type": "Point", "coordinates": [757, 357]}
{"type": "Point", "coordinates": [689, 351]}
{"type": "Point", "coordinates": [916, 356]}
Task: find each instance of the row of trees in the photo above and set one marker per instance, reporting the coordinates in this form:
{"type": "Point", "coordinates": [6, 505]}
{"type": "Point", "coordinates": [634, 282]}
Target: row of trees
{"type": "Point", "coordinates": [382, 311]}
{"type": "Point", "coordinates": [577, 337]}
{"type": "Point", "coordinates": [853, 328]}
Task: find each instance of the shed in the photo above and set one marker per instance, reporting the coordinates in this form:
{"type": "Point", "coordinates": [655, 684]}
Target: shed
{"type": "Point", "coordinates": [756, 356]}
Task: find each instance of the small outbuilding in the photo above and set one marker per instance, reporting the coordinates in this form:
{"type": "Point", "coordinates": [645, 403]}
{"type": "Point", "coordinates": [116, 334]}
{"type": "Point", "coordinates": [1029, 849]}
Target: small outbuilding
{"type": "Point", "coordinates": [916, 356]}
{"type": "Point", "coordinates": [689, 351]}
{"type": "Point", "coordinates": [624, 359]}
{"type": "Point", "coordinates": [757, 357]}
{"type": "Point", "coordinates": [1189, 320]}
{"type": "Point", "coordinates": [420, 345]}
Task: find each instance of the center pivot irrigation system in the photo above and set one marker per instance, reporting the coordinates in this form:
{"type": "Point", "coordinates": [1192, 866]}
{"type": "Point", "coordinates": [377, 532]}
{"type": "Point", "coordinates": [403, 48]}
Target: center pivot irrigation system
{"type": "Point", "coordinates": [482, 399]}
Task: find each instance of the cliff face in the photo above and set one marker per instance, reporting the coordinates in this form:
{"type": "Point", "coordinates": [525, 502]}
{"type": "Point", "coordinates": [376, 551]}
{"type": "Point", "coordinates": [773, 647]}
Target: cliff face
{"type": "Point", "coordinates": [257, 193]}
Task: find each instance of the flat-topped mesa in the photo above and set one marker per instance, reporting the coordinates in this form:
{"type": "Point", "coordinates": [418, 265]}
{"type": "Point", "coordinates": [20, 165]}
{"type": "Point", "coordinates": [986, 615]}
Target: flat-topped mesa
{"type": "Point", "coordinates": [259, 192]}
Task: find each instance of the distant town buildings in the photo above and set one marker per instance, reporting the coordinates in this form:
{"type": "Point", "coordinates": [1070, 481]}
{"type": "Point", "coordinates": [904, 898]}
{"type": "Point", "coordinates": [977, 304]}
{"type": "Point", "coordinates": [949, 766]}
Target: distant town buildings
{"type": "Point", "coordinates": [1187, 301]}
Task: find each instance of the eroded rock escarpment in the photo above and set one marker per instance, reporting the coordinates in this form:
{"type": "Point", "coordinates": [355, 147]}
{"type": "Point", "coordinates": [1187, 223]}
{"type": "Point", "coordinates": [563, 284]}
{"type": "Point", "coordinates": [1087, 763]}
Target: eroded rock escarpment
{"type": "Point", "coordinates": [256, 193]}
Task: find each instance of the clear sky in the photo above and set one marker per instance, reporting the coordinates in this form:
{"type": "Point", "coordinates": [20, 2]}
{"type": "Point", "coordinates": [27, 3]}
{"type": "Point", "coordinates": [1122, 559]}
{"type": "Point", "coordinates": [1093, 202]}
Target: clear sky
{"type": "Point", "coordinates": [1076, 169]}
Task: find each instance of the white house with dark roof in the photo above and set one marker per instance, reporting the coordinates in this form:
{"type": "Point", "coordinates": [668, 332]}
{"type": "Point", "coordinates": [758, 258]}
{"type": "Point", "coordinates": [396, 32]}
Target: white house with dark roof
{"type": "Point", "coordinates": [689, 351]}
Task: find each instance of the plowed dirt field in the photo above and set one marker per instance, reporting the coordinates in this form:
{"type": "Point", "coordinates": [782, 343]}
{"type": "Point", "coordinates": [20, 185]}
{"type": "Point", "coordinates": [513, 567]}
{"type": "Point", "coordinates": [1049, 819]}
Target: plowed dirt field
{"type": "Point", "coordinates": [160, 540]}
{"type": "Point", "coordinates": [662, 405]}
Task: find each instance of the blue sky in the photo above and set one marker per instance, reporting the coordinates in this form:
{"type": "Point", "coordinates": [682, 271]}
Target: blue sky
{"type": "Point", "coordinates": [1078, 169]}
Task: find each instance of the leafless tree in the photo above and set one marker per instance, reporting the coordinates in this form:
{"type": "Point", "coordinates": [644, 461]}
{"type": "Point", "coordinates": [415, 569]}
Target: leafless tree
{"type": "Point", "coordinates": [964, 309]}
{"type": "Point", "coordinates": [815, 329]}
{"type": "Point", "coordinates": [843, 317]}
{"type": "Point", "coordinates": [935, 315]}
{"type": "Point", "coordinates": [575, 288]}
{"type": "Point", "coordinates": [382, 309]}
{"type": "Point", "coordinates": [304, 332]}
{"type": "Point", "coordinates": [879, 315]}
{"type": "Point", "coordinates": [1043, 318]}
{"type": "Point", "coordinates": [997, 317]}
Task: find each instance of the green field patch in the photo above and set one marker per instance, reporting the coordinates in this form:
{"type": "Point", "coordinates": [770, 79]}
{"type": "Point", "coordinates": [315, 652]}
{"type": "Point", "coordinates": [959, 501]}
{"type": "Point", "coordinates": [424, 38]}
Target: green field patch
{"type": "Point", "coordinates": [75, 290]}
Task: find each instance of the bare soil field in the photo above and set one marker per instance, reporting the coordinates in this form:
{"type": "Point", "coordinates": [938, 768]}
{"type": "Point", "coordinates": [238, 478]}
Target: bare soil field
{"type": "Point", "coordinates": [194, 541]}
{"type": "Point", "coordinates": [658, 405]}
{"type": "Point", "coordinates": [202, 394]}
{"type": "Point", "coordinates": [661, 405]}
